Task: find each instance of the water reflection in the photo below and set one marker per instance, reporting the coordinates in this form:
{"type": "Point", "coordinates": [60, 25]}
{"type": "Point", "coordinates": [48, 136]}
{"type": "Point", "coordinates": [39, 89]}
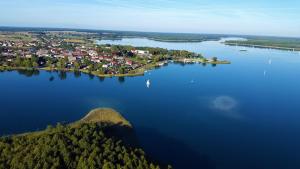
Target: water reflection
{"type": "Point", "coordinates": [91, 76]}
{"type": "Point", "coordinates": [77, 74]}
{"type": "Point", "coordinates": [51, 78]}
{"type": "Point", "coordinates": [226, 106]}
{"type": "Point", "coordinates": [224, 103]}
{"type": "Point", "coordinates": [29, 72]}
{"type": "Point", "coordinates": [101, 79]}
{"type": "Point", "coordinates": [62, 75]}
{"type": "Point", "coordinates": [173, 151]}
{"type": "Point", "coordinates": [121, 80]}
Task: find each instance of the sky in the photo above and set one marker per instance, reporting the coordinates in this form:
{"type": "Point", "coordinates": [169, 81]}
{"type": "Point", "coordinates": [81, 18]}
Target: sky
{"type": "Point", "coordinates": [255, 17]}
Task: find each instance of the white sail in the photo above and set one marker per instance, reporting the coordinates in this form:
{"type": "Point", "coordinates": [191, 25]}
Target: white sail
{"type": "Point", "coordinates": [148, 83]}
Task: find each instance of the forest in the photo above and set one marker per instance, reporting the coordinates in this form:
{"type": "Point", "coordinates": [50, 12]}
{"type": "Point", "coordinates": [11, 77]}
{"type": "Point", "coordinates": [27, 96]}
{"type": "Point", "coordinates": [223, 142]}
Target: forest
{"type": "Point", "coordinates": [85, 146]}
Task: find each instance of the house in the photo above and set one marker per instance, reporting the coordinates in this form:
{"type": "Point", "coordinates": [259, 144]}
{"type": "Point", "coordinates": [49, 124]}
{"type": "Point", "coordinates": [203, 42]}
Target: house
{"type": "Point", "coordinates": [92, 53]}
{"type": "Point", "coordinates": [71, 59]}
{"type": "Point", "coordinates": [108, 58]}
{"type": "Point", "coordinates": [113, 63]}
{"type": "Point", "coordinates": [140, 52]}
{"type": "Point", "coordinates": [129, 62]}
{"type": "Point", "coordinates": [28, 56]}
{"type": "Point", "coordinates": [42, 53]}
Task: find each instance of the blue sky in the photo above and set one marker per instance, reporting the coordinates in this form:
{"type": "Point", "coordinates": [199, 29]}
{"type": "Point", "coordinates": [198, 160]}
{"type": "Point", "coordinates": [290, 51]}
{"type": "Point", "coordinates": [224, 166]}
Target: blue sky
{"type": "Point", "coordinates": [255, 17]}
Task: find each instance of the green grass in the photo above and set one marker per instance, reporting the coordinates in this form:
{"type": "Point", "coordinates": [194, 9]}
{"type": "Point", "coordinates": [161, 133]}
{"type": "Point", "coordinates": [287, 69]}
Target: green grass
{"type": "Point", "coordinates": [16, 37]}
{"type": "Point", "coordinates": [105, 115]}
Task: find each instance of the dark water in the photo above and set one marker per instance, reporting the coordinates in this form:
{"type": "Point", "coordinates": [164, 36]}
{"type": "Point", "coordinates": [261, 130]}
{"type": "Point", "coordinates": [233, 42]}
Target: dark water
{"type": "Point", "coordinates": [239, 116]}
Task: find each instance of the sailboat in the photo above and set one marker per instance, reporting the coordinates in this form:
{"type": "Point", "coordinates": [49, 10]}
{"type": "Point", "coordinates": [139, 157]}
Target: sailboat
{"type": "Point", "coordinates": [148, 83]}
{"type": "Point", "coordinates": [270, 61]}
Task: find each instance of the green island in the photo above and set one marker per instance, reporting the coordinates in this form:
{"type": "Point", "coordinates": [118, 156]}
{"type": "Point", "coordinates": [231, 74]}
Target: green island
{"type": "Point", "coordinates": [290, 44]}
{"type": "Point", "coordinates": [79, 52]}
{"type": "Point", "coordinates": [92, 142]}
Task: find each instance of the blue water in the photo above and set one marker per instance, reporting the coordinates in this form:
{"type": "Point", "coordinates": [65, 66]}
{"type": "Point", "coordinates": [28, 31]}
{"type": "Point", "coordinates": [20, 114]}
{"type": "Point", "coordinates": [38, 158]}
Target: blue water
{"type": "Point", "coordinates": [239, 116]}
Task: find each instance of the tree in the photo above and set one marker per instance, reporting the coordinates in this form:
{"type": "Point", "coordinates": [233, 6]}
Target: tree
{"type": "Point", "coordinates": [214, 59]}
{"type": "Point", "coordinates": [122, 70]}
{"type": "Point", "coordinates": [61, 64]}
{"type": "Point", "coordinates": [27, 63]}
{"type": "Point", "coordinates": [35, 64]}
{"type": "Point", "coordinates": [65, 146]}
{"type": "Point", "coordinates": [17, 61]}
{"type": "Point", "coordinates": [76, 65]}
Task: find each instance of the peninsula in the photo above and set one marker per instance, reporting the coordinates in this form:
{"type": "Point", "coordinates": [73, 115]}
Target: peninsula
{"type": "Point", "coordinates": [87, 143]}
{"type": "Point", "coordinates": [78, 52]}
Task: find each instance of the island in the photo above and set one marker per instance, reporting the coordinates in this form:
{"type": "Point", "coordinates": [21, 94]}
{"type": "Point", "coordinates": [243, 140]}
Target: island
{"type": "Point", "coordinates": [88, 143]}
{"type": "Point", "coordinates": [78, 52]}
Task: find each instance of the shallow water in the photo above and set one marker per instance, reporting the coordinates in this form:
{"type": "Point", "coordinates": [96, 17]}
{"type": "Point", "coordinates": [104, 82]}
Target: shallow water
{"type": "Point", "coordinates": [238, 116]}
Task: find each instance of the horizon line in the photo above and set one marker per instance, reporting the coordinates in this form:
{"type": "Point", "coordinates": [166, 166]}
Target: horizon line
{"type": "Point", "coordinates": [137, 31]}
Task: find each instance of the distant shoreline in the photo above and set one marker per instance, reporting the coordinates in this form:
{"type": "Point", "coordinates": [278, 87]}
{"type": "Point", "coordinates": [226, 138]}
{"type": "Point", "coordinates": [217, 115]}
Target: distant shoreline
{"type": "Point", "coordinates": [262, 46]}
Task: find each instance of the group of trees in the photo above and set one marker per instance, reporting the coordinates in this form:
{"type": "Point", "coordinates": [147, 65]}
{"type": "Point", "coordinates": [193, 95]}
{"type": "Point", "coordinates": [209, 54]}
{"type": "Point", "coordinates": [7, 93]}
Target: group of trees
{"type": "Point", "coordinates": [119, 50]}
{"type": "Point", "coordinates": [86, 146]}
{"type": "Point", "coordinates": [155, 51]}
{"type": "Point", "coordinates": [25, 62]}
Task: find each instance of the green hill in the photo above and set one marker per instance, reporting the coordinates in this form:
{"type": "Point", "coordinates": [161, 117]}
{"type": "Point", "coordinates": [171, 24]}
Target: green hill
{"type": "Point", "coordinates": [105, 115]}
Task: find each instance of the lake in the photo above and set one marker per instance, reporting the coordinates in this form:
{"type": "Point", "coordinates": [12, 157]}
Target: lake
{"type": "Point", "coordinates": [239, 116]}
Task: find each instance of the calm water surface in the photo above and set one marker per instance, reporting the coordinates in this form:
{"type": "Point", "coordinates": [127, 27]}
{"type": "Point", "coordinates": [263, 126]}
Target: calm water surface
{"type": "Point", "coordinates": [239, 116]}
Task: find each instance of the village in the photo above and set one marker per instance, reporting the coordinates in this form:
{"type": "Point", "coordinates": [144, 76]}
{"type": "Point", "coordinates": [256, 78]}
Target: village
{"type": "Point", "coordinates": [57, 51]}
{"type": "Point", "coordinates": [50, 53]}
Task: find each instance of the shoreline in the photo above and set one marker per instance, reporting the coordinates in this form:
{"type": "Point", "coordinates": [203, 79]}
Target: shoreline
{"type": "Point", "coordinates": [262, 46]}
{"type": "Point", "coordinates": [102, 115]}
{"type": "Point", "coordinates": [160, 39]}
{"type": "Point", "coordinates": [134, 73]}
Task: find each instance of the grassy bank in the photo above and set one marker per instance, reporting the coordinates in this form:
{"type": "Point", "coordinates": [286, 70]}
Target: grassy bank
{"type": "Point", "coordinates": [105, 115]}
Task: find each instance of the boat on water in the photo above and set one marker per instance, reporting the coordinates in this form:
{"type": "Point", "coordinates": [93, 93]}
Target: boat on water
{"type": "Point", "coordinates": [148, 83]}
{"type": "Point", "coordinates": [270, 61]}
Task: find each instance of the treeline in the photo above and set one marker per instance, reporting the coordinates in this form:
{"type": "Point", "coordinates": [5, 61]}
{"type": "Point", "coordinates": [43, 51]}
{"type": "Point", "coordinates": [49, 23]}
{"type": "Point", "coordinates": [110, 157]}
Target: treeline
{"type": "Point", "coordinates": [86, 146]}
{"type": "Point", "coordinates": [169, 37]}
{"type": "Point", "coordinates": [269, 42]}
{"type": "Point", "coordinates": [125, 50]}
{"type": "Point", "coordinates": [24, 62]}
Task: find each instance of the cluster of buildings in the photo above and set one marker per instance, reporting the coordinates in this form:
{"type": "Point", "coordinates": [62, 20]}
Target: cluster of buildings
{"type": "Point", "coordinates": [55, 50]}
